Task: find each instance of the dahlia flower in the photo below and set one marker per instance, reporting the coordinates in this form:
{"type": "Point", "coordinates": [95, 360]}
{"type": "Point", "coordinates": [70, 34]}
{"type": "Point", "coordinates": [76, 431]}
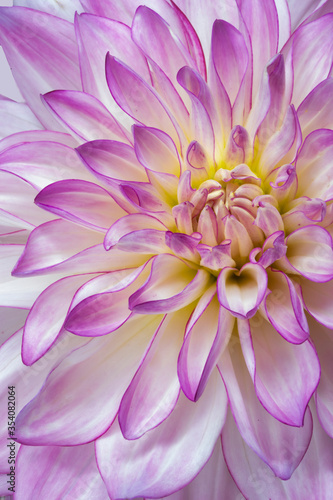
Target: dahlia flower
{"type": "Point", "coordinates": [166, 263]}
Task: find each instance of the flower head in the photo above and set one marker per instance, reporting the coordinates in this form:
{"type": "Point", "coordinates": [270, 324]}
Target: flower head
{"type": "Point", "coordinates": [167, 248]}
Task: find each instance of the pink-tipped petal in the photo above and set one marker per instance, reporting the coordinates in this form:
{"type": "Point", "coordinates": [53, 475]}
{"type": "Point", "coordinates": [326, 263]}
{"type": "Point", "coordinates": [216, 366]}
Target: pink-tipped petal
{"type": "Point", "coordinates": [172, 284]}
{"type": "Point", "coordinates": [42, 53]}
{"type": "Point", "coordinates": [285, 375]}
{"type": "Point", "coordinates": [81, 202]}
{"type": "Point", "coordinates": [315, 112]}
{"type": "Point", "coordinates": [143, 468]}
{"type": "Point", "coordinates": [241, 292]}
{"type": "Point", "coordinates": [310, 253]}
{"type": "Point", "coordinates": [318, 300]}
{"type": "Point", "coordinates": [52, 471]}
{"type": "Point", "coordinates": [154, 390]}
{"type": "Point", "coordinates": [205, 341]}
{"type": "Point", "coordinates": [58, 415]}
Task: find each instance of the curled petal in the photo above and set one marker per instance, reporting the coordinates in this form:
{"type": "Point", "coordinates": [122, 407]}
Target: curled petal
{"type": "Point", "coordinates": [172, 284]}
{"type": "Point", "coordinates": [241, 292]}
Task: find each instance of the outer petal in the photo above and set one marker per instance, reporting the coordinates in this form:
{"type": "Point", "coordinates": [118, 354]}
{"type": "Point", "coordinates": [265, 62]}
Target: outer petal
{"type": "Point", "coordinates": [281, 446]}
{"type": "Point", "coordinates": [16, 117]}
{"type": "Point", "coordinates": [59, 8]}
{"type": "Point", "coordinates": [242, 292]}
{"type": "Point", "coordinates": [144, 467]}
{"type": "Point", "coordinates": [314, 165]}
{"type": "Point", "coordinates": [81, 202]}
{"type": "Point", "coordinates": [37, 45]}
{"type": "Point", "coordinates": [315, 112]}
{"type": "Point", "coordinates": [285, 375]}
{"type": "Point", "coordinates": [213, 482]}
{"type": "Point", "coordinates": [205, 340]}
{"type": "Point", "coordinates": [46, 317]}
{"type": "Point", "coordinates": [154, 390]}
{"type": "Point", "coordinates": [58, 414]}
{"type": "Point", "coordinates": [172, 284]}
{"type": "Point", "coordinates": [41, 163]}
{"type": "Point", "coordinates": [58, 471]}
{"type": "Point", "coordinates": [318, 300]}
{"type": "Point", "coordinates": [310, 253]}
{"type": "Point", "coordinates": [84, 116]}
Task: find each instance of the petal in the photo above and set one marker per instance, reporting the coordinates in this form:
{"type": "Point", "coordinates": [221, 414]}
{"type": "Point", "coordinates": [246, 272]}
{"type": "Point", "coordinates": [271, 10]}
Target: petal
{"type": "Point", "coordinates": [11, 320]}
{"type": "Point", "coordinates": [58, 414]}
{"type": "Point", "coordinates": [59, 8]}
{"type": "Point", "coordinates": [16, 117]}
{"type": "Point", "coordinates": [154, 390]}
{"type": "Point", "coordinates": [241, 292]}
{"type": "Point", "coordinates": [172, 284]}
{"type": "Point", "coordinates": [41, 163]}
{"type": "Point", "coordinates": [37, 136]}
{"type": "Point", "coordinates": [83, 115]}
{"type": "Point", "coordinates": [96, 37]}
{"type": "Point", "coordinates": [310, 253]}
{"type": "Point", "coordinates": [137, 98]}
{"type": "Point", "coordinates": [37, 45]}
{"type": "Point", "coordinates": [111, 160]}
{"type": "Point", "coordinates": [81, 202]}
{"type": "Point", "coordinates": [318, 300]}
{"type": "Point", "coordinates": [314, 165]}
{"type": "Point", "coordinates": [315, 112]}
{"type": "Point", "coordinates": [51, 471]}
{"type": "Point", "coordinates": [144, 467]}
{"type": "Point", "coordinates": [280, 446]}
{"type": "Point", "coordinates": [47, 316]}
{"type": "Point", "coordinates": [284, 308]}
{"type": "Point", "coordinates": [312, 56]}
{"type": "Point", "coordinates": [285, 375]}
{"type": "Point", "coordinates": [205, 341]}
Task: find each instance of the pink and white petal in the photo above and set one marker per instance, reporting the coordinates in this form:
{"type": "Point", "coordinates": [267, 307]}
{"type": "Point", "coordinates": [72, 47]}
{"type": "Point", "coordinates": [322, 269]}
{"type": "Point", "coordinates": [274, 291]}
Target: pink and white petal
{"type": "Point", "coordinates": [261, 20]}
{"type": "Point", "coordinates": [138, 99]}
{"type": "Point", "coordinates": [17, 198]}
{"type": "Point", "coordinates": [230, 62]}
{"type": "Point", "coordinates": [204, 343]}
{"type": "Point", "coordinates": [111, 160]}
{"type": "Point", "coordinates": [279, 445]}
{"type": "Point", "coordinates": [84, 116]}
{"type": "Point", "coordinates": [323, 341]}
{"type": "Point", "coordinates": [285, 309]}
{"type": "Point", "coordinates": [144, 467]}
{"type": "Point", "coordinates": [318, 300]}
{"type": "Point", "coordinates": [241, 292]}
{"type": "Point", "coordinates": [213, 481]}
{"type": "Point", "coordinates": [59, 8]}
{"type": "Point", "coordinates": [315, 112]}
{"type": "Point", "coordinates": [285, 375]}
{"type": "Point", "coordinates": [58, 414]}
{"type": "Point", "coordinates": [16, 117]}
{"type": "Point", "coordinates": [314, 165]}
{"type": "Point", "coordinates": [253, 477]}
{"type": "Point", "coordinates": [27, 379]}
{"type": "Point", "coordinates": [154, 390]}
{"type": "Point", "coordinates": [15, 292]}
{"type": "Point", "coordinates": [37, 136]}
{"type": "Point", "coordinates": [152, 34]}
{"type": "Point", "coordinates": [314, 474]}
{"type": "Point", "coordinates": [104, 312]}
{"type": "Point", "coordinates": [310, 253]}
{"type": "Point", "coordinates": [172, 284]}
{"type": "Point", "coordinates": [284, 21]}
{"type": "Point", "coordinates": [47, 316]}
{"type": "Point", "coordinates": [37, 45]}
{"type": "Point", "coordinates": [7, 495]}
{"type": "Point", "coordinates": [96, 36]}
{"type": "Point", "coordinates": [82, 202]}
{"type": "Point", "coordinates": [52, 243]}
{"type": "Point", "coordinates": [41, 163]}
{"type": "Point", "coordinates": [156, 151]}
{"type": "Point", "coordinates": [144, 241]}
{"type": "Point", "coordinates": [312, 56]}
{"type": "Point", "coordinates": [57, 471]}
{"type": "Point", "coordinates": [300, 11]}
{"type": "Point", "coordinates": [128, 224]}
